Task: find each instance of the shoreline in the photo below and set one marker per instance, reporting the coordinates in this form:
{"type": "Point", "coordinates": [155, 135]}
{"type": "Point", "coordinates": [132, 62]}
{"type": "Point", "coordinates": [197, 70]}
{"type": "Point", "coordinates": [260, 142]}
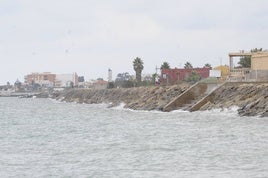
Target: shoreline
{"type": "Point", "coordinates": [250, 98]}
{"type": "Point", "coordinates": [139, 98]}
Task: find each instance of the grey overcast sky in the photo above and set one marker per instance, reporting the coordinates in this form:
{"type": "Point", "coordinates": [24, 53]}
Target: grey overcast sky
{"type": "Point", "coordinates": [90, 36]}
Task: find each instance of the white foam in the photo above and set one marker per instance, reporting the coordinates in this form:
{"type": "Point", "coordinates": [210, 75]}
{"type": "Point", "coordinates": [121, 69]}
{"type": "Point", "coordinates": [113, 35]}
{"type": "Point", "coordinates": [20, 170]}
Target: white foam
{"type": "Point", "coordinates": [120, 107]}
{"type": "Point", "coordinates": [179, 111]}
{"type": "Point", "coordinates": [222, 111]}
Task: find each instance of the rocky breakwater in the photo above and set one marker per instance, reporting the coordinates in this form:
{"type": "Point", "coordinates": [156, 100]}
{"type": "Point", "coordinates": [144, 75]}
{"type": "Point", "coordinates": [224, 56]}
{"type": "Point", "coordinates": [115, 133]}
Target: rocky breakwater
{"type": "Point", "coordinates": [251, 98]}
{"type": "Point", "coordinates": [139, 98]}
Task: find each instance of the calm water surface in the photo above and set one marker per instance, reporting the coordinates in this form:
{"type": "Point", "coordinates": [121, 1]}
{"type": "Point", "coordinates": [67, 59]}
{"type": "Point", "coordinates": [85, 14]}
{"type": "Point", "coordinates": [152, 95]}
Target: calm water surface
{"type": "Point", "coordinates": [45, 138]}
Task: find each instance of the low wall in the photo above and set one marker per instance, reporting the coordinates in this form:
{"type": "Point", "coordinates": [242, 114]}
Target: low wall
{"type": "Point", "coordinates": [208, 98]}
{"type": "Point", "coordinates": [190, 95]}
{"type": "Point", "coordinates": [250, 97]}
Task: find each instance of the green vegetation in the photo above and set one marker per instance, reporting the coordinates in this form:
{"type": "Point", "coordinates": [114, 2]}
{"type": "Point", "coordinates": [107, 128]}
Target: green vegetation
{"type": "Point", "coordinates": [111, 85]}
{"type": "Point", "coordinates": [121, 84]}
{"type": "Point", "coordinates": [154, 76]}
{"type": "Point", "coordinates": [165, 65]}
{"type": "Point", "coordinates": [194, 77]}
{"type": "Point", "coordinates": [207, 65]}
{"type": "Point", "coordinates": [188, 65]}
{"type": "Point", "coordinates": [245, 62]}
{"type": "Point", "coordinates": [138, 67]}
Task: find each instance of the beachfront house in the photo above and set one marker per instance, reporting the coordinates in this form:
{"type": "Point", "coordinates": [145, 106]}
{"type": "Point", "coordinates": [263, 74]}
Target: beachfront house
{"type": "Point", "coordinates": [258, 70]}
{"type": "Point", "coordinates": [173, 76]}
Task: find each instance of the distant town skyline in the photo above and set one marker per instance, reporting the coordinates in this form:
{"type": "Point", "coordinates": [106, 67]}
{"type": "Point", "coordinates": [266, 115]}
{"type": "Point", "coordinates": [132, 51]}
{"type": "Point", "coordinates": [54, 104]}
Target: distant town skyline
{"type": "Point", "coordinates": [89, 37]}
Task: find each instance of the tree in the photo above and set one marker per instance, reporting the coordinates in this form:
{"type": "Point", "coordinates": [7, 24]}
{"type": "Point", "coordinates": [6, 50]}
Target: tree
{"type": "Point", "coordinates": [123, 76]}
{"type": "Point", "coordinates": [194, 77]}
{"type": "Point", "coordinates": [124, 83]}
{"type": "Point", "coordinates": [207, 65]}
{"type": "Point", "coordinates": [71, 84]}
{"type": "Point", "coordinates": [155, 79]}
{"type": "Point", "coordinates": [138, 67]}
{"type": "Point", "coordinates": [188, 65]}
{"type": "Point", "coordinates": [165, 65]}
{"type": "Point", "coordinates": [256, 50]}
{"type": "Point", "coordinates": [111, 85]}
{"type": "Point", "coordinates": [123, 80]}
{"type": "Point", "coordinates": [245, 62]}
{"type": "Point", "coordinates": [17, 85]}
{"type": "Point", "coordinates": [81, 79]}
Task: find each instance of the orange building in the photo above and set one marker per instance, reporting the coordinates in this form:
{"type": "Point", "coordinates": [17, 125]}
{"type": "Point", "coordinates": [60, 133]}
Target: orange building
{"type": "Point", "coordinates": [45, 78]}
{"type": "Point", "coordinates": [224, 70]}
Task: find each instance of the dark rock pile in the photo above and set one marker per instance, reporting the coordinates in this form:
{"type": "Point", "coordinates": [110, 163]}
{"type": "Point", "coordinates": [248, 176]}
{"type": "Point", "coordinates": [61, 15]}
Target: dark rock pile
{"type": "Point", "coordinates": [139, 98]}
{"type": "Point", "coordinates": [251, 98]}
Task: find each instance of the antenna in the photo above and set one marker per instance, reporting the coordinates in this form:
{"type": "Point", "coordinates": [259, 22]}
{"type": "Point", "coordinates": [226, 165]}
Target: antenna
{"type": "Point", "coordinates": [156, 69]}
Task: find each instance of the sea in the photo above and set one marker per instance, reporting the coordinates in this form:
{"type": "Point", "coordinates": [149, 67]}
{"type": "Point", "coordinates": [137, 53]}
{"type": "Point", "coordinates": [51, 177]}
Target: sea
{"type": "Point", "coordinates": [47, 138]}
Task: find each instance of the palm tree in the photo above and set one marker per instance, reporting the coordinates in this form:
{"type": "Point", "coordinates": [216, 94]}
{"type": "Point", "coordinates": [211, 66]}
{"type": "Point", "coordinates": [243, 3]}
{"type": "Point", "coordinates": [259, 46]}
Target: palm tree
{"type": "Point", "coordinates": [207, 65]}
{"type": "Point", "coordinates": [165, 65]}
{"type": "Point", "coordinates": [188, 65]}
{"type": "Point", "coordinates": [138, 67]}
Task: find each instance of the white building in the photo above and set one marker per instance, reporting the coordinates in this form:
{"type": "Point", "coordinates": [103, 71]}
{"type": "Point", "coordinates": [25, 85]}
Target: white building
{"type": "Point", "coordinates": [66, 80]}
{"type": "Point", "coordinates": [215, 73]}
{"type": "Point", "coordinates": [110, 75]}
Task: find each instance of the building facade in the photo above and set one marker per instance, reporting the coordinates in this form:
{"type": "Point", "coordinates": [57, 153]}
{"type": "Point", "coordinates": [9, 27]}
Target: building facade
{"type": "Point", "coordinates": [258, 70]}
{"type": "Point", "coordinates": [48, 79]}
{"type": "Point", "coordinates": [43, 79]}
{"type": "Point", "coordinates": [173, 76]}
{"type": "Point", "coordinates": [259, 61]}
{"type": "Point", "coordinates": [66, 80]}
{"type": "Point", "coordinates": [224, 71]}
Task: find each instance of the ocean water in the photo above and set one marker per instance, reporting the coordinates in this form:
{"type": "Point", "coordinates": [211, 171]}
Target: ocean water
{"type": "Point", "coordinates": [46, 138]}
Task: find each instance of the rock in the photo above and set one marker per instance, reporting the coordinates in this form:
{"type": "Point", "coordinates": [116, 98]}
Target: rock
{"type": "Point", "coordinates": [265, 114]}
{"type": "Point", "coordinates": [141, 98]}
{"type": "Point", "coordinates": [252, 98]}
